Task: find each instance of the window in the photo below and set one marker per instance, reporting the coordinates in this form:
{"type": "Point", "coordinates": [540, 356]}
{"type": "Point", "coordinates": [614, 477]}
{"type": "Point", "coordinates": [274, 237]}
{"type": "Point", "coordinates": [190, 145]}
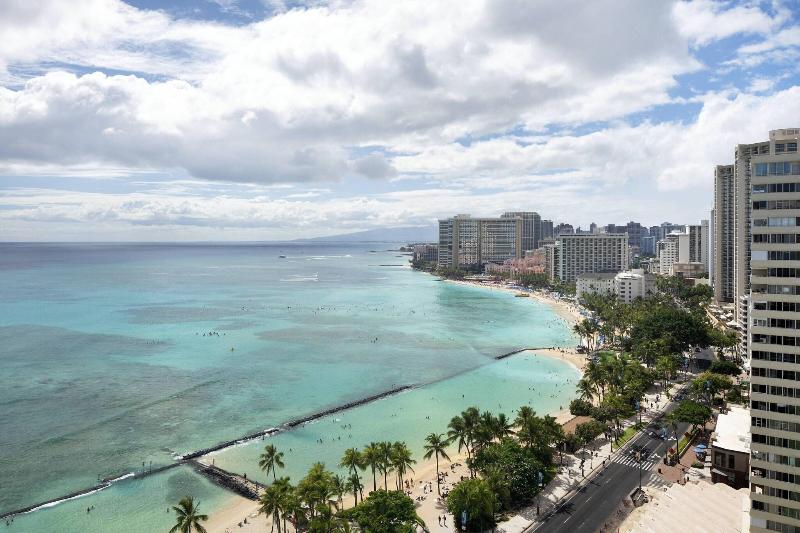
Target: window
{"type": "Point", "coordinates": [731, 461]}
{"type": "Point", "coordinates": [791, 147]}
{"type": "Point", "coordinates": [780, 148]}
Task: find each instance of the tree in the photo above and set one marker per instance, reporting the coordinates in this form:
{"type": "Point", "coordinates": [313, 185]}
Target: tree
{"type": "Point", "coordinates": [385, 512]}
{"type": "Point", "coordinates": [728, 368]}
{"type": "Point", "coordinates": [588, 431]}
{"type": "Point", "coordinates": [519, 467]}
{"type": "Point", "coordinates": [401, 461]}
{"type": "Point", "coordinates": [273, 502]}
{"type": "Point", "coordinates": [666, 366]}
{"type": "Point", "coordinates": [270, 459]}
{"type": "Point", "coordinates": [710, 384]}
{"type": "Point", "coordinates": [474, 499]}
{"type": "Point", "coordinates": [339, 488]}
{"type": "Point", "coordinates": [372, 458]}
{"type": "Point", "coordinates": [316, 488]}
{"type": "Point", "coordinates": [355, 487]}
{"type": "Point", "coordinates": [614, 408]}
{"type": "Point", "coordinates": [187, 517]}
{"type": "Point", "coordinates": [580, 407]}
{"type": "Point", "coordinates": [353, 461]}
{"type": "Point", "coordinates": [435, 445]}
{"type": "Point", "coordinates": [692, 412]}
{"type": "Point", "coordinates": [385, 461]}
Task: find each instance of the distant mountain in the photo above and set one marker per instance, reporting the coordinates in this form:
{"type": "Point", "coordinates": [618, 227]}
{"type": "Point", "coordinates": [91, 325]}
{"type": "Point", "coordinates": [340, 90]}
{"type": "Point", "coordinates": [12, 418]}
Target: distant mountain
{"type": "Point", "coordinates": [404, 234]}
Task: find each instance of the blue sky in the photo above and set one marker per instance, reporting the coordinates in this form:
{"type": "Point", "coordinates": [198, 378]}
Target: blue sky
{"type": "Point", "coordinates": [270, 119]}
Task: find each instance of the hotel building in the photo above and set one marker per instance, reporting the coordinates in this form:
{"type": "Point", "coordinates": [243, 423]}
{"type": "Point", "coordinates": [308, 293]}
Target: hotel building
{"type": "Point", "coordinates": [724, 230]}
{"type": "Point", "coordinates": [472, 242]}
{"type": "Point", "coordinates": [587, 253]}
{"type": "Point", "coordinates": [531, 228]}
{"type": "Point", "coordinates": [774, 295]}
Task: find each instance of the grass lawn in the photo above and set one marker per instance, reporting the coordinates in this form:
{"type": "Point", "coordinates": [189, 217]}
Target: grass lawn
{"type": "Point", "coordinates": [628, 434]}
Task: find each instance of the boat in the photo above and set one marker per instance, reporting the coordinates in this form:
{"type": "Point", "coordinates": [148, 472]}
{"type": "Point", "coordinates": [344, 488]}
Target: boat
{"type": "Point", "coordinates": [522, 295]}
{"type": "Point", "coordinates": [281, 257]}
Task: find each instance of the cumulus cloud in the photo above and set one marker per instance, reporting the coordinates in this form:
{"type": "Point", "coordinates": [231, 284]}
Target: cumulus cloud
{"type": "Point", "coordinates": [477, 106]}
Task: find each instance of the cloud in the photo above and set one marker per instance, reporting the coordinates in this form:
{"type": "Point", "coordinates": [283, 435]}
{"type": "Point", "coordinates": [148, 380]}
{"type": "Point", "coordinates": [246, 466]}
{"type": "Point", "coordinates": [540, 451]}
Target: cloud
{"type": "Point", "coordinates": [705, 21]}
{"type": "Point", "coordinates": [283, 99]}
{"type": "Point", "coordinates": [577, 109]}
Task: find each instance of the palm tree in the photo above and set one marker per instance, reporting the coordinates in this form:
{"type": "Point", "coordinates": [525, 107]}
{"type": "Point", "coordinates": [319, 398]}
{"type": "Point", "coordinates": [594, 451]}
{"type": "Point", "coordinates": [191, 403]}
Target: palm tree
{"type": "Point", "coordinates": [188, 519]}
{"type": "Point", "coordinates": [435, 446]}
{"type": "Point", "coordinates": [458, 432]}
{"type": "Point", "coordinates": [372, 458]}
{"type": "Point", "coordinates": [339, 487]}
{"type": "Point", "coordinates": [353, 460]}
{"type": "Point", "coordinates": [385, 461]}
{"type": "Point", "coordinates": [524, 414]}
{"type": "Point", "coordinates": [272, 503]}
{"type": "Point", "coordinates": [270, 460]}
{"type": "Point", "coordinates": [401, 461]}
{"type": "Point", "coordinates": [355, 486]}
{"type": "Point", "coordinates": [503, 427]}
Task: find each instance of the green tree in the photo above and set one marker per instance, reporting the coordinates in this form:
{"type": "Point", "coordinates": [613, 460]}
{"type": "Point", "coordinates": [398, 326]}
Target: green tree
{"type": "Point", "coordinates": [187, 517]}
{"type": "Point", "coordinates": [692, 412]}
{"type": "Point", "coordinates": [270, 459]}
{"type": "Point", "coordinates": [728, 368]}
{"type": "Point", "coordinates": [273, 503]}
{"type": "Point", "coordinates": [519, 466]}
{"type": "Point", "coordinates": [580, 407]}
{"type": "Point", "coordinates": [709, 384]}
{"type": "Point", "coordinates": [316, 488]}
{"type": "Point", "coordinates": [372, 458]}
{"type": "Point", "coordinates": [474, 499]}
{"type": "Point", "coordinates": [353, 461]}
{"type": "Point", "coordinates": [385, 512]}
{"type": "Point", "coordinates": [401, 460]}
{"type": "Point", "coordinates": [435, 446]}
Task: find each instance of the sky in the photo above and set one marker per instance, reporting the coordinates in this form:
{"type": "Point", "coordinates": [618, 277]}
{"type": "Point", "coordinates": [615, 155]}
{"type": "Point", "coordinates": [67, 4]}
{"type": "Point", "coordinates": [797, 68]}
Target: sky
{"type": "Point", "coordinates": [159, 120]}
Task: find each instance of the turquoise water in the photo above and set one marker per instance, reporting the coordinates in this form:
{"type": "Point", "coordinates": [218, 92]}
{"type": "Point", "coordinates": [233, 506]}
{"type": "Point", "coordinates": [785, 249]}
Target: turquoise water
{"type": "Point", "coordinates": [109, 363]}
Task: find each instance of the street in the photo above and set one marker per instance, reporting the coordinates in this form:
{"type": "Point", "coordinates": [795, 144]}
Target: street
{"type": "Point", "coordinates": [594, 503]}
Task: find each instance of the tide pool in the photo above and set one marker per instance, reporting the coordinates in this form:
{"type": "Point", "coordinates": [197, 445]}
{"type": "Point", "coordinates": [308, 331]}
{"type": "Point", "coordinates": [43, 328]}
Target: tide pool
{"type": "Point", "coordinates": [115, 356]}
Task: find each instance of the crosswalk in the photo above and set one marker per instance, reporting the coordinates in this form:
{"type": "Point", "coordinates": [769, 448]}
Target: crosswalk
{"type": "Point", "coordinates": [630, 460]}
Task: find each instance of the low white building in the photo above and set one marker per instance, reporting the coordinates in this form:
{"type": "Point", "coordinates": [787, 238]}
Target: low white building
{"type": "Point", "coordinates": [627, 286]}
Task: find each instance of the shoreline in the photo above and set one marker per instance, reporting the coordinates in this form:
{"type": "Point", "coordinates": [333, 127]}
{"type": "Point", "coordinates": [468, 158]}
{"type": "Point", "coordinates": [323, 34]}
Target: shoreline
{"type": "Point", "coordinates": [231, 517]}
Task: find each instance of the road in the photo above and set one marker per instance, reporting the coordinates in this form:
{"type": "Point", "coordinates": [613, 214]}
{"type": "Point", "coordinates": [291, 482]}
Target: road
{"type": "Point", "coordinates": [594, 503]}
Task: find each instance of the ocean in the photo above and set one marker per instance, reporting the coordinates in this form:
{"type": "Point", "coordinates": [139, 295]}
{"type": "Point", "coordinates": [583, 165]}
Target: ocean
{"type": "Point", "coordinates": [116, 357]}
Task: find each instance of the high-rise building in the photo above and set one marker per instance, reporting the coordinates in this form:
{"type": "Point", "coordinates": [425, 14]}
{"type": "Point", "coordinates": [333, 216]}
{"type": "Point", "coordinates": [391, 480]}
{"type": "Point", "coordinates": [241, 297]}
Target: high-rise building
{"type": "Point", "coordinates": [668, 251]}
{"type": "Point", "coordinates": [582, 254]}
{"type": "Point", "coordinates": [593, 228]}
{"type": "Point", "coordinates": [547, 229]}
{"type": "Point", "coordinates": [657, 233]}
{"type": "Point", "coordinates": [669, 227]}
{"type": "Point", "coordinates": [711, 248]}
{"type": "Point", "coordinates": [635, 234]}
{"type": "Point", "coordinates": [472, 242]}
{"type": "Point", "coordinates": [563, 229]}
{"type": "Point", "coordinates": [648, 245]}
{"type": "Point", "coordinates": [774, 345]}
{"type": "Point", "coordinates": [531, 227]}
{"type": "Point", "coordinates": [724, 229]}
{"type": "Point", "coordinates": [698, 242]}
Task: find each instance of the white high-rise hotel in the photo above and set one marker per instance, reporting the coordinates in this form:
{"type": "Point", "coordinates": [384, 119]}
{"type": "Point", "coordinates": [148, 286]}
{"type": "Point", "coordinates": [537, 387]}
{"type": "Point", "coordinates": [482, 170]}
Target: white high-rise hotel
{"type": "Point", "coordinates": [766, 277]}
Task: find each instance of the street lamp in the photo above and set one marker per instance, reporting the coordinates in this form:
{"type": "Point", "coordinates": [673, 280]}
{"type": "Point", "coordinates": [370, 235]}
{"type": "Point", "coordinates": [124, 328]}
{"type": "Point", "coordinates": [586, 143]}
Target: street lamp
{"type": "Point", "coordinates": [639, 458]}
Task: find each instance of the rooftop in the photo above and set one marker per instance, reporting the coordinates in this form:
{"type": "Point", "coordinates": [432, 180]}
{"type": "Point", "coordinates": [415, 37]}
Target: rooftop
{"type": "Point", "coordinates": [733, 430]}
